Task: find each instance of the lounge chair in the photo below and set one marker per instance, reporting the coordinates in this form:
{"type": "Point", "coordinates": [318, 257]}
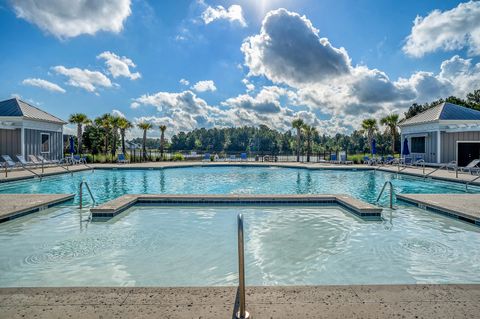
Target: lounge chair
{"type": "Point", "coordinates": [121, 159]}
{"type": "Point", "coordinates": [77, 159]}
{"type": "Point", "coordinates": [366, 160]}
{"type": "Point", "coordinates": [232, 158]}
{"type": "Point", "coordinates": [35, 160]}
{"type": "Point", "coordinates": [389, 160]}
{"type": "Point", "coordinates": [206, 157]}
{"type": "Point", "coordinates": [343, 160]}
{"type": "Point", "coordinates": [243, 156]}
{"type": "Point", "coordinates": [9, 163]}
{"type": "Point", "coordinates": [54, 162]}
{"type": "Point", "coordinates": [333, 159]}
{"type": "Point", "coordinates": [24, 162]}
{"type": "Point", "coordinates": [471, 167]}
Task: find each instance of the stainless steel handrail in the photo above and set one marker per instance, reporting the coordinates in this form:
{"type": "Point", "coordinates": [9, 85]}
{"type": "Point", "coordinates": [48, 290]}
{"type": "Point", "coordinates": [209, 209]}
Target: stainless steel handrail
{"type": "Point", "coordinates": [89, 191]}
{"type": "Point", "coordinates": [469, 182]}
{"type": "Point", "coordinates": [391, 192]}
{"type": "Point", "coordinates": [242, 313]}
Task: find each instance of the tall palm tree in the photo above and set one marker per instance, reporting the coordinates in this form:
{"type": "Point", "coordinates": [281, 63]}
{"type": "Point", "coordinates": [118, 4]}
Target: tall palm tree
{"type": "Point", "coordinates": [297, 124]}
{"type": "Point", "coordinates": [80, 119]}
{"type": "Point", "coordinates": [391, 122]}
{"type": "Point", "coordinates": [145, 127]}
{"type": "Point", "coordinates": [369, 126]}
{"type": "Point", "coordinates": [124, 125]}
{"type": "Point", "coordinates": [163, 128]}
{"type": "Point", "coordinates": [105, 122]}
{"type": "Point", "coordinates": [309, 132]}
{"type": "Point", "coordinates": [115, 120]}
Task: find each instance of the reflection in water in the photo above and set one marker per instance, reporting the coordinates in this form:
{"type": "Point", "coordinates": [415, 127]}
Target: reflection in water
{"type": "Point", "coordinates": [162, 181]}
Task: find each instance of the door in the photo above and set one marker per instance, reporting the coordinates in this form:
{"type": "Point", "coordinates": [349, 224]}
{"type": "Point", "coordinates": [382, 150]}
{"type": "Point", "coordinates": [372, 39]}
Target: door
{"type": "Point", "coordinates": [467, 152]}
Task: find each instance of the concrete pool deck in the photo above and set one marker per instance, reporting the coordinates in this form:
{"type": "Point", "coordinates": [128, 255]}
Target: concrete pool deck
{"type": "Point", "coordinates": [17, 205]}
{"type": "Point", "coordinates": [118, 205]}
{"type": "Point", "coordinates": [388, 301]}
{"type": "Point", "coordinates": [463, 206]}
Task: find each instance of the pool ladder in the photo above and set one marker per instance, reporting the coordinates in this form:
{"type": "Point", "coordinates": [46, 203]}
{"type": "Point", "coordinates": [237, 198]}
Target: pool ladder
{"type": "Point", "coordinates": [391, 192]}
{"type": "Point", "coordinates": [242, 313]}
{"type": "Point", "coordinates": [82, 183]}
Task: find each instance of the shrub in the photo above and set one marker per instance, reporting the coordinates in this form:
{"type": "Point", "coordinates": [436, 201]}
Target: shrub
{"type": "Point", "coordinates": [178, 157]}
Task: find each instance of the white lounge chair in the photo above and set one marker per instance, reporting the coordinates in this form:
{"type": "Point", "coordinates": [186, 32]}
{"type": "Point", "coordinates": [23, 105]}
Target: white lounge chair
{"type": "Point", "coordinates": [23, 162]}
{"type": "Point", "coordinates": [471, 167]}
{"type": "Point", "coordinates": [9, 163]}
{"type": "Point", "coordinates": [35, 160]}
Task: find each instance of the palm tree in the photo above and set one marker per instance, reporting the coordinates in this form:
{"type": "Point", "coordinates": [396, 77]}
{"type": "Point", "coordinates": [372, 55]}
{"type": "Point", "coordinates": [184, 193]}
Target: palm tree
{"type": "Point", "coordinates": [124, 125]}
{"type": "Point", "coordinates": [115, 120]}
{"type": "Point", "coordinates": [369, 126]}
{"type": "Point", "coordinates": [163, 128]}
{"type": "Point", "coordinates": [105, 122]}
{"type": "Point", "coordinates": [80, 119]}
{"type": "Point", "coordinates": [145, 127]}
{"type": "Point", "coordinates": [391, 122]}
{"type": "Point", "coordinates": [309, 132]}
{"type": "Point", "coordinates": [297, 124]}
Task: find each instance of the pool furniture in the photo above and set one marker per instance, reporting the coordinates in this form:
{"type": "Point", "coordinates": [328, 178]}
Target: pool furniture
{"type": "Point", "coordinates": [23, 162]}
{"type": "Point", "coordinates": [77, 159]}
{"type": "Point", "coordinates": [343, 159]}
{"type": "Point", "coordinates": [333, 159]}
{"type": "Point", "coordinates": [206, 157]}
{"type": "Point", "coordinates": [472, 167]}
{"type": "Point", "coordinates": [54, 162]}
{"type": "Point", "coordinates": [232, 158]}
{"type": "Point", "coordinates": [366, 160]}
{"type": "Point", "coordinates": [121, 159]}
{"type": "Point", "coordinates": [243, 156]}
{"type": "Point", "coordinates": [389, 160]}
{"type": "Point", "coordinates": [9, 163]}
{"type": "Point", "coordinates": [35, 160]}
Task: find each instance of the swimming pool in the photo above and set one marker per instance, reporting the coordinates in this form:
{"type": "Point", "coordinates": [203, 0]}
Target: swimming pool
{"type": "Point", "coordinates": [110, 184]}
{"type": "Point", "coordinates": [196, 246]}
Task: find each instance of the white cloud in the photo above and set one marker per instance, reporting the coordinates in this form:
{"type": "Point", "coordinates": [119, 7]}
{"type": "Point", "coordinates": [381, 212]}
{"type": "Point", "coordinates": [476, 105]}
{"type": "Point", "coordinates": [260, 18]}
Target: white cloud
{"type": "Point", "coordinates": [118, 113]}
{"type": "Point", "coordinates": [83, 78]}
{"type": "Point", "coordinates": [44, 84]}
{"type": "Point", "coordinates": [119, 66]}
{"type": "Point", "coordinates": [449, 30]}
{"type": "Point", "coordinates": [250, 86]}
{"type": "Point", "coordinates": [233, 14]}
{"type": "Point", "coordinates": [67, 19]}
{"type": "Point", "coordinates": [203, 86]}
{"type": "Point", "coordinates": [184, 82]}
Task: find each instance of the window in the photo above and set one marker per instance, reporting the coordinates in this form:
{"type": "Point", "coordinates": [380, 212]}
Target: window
{"type": "Point", "coordinates": [418, 144]}
{"type": "Point", "coordinates": [45, 146]}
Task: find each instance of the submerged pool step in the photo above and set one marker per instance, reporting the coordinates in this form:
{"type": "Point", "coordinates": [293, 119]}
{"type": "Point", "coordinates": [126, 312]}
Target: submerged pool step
{"type": "Point", "coordinates": [118, 205]}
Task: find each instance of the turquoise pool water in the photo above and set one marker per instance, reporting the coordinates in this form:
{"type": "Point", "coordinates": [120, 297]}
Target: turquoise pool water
{"type": "Point", "coordinates": [196, 246]}
{"type": "Point", "coordinates": [109, 184]}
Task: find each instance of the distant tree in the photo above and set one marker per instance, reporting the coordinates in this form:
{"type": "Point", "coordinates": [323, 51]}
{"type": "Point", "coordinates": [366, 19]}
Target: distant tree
{"type": "Point", "coordinates": [163, 128]}
{"type": "Point", "coordinates": [473, 99]}
{"type": "Point", "coordinates": [80, 119]}
{"type": "Point", "coordinates": [369, 126]}
{"type": "Point", "coordinates": [391, 122]}
{"type": "Point", "coordinates": [124, 125]}
{"type": "Point", "coordinates": [105, 122]}
{"type": "Point", "coordinates": [297, 124]}
{"type": "Point", "coordinates": [115, 123]}
{"type": "Point", "coordinates": [309, 132]}
{"type": "Point", "coordinates": [145, 127]}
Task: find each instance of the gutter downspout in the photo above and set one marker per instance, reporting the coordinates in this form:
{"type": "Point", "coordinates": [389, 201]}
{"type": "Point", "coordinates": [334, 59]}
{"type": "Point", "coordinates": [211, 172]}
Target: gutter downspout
{"type": "Point", "coordinates": [439, 147]}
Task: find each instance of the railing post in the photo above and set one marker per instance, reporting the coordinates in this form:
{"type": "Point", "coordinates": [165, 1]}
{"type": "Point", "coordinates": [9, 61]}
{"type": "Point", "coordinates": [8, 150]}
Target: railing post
{"type": "Point", "coordinates": [242, 313]}
{"type": "Point", "coordinates": [81, 194]}
{"type": "Point", "coordinates": [391, 195]}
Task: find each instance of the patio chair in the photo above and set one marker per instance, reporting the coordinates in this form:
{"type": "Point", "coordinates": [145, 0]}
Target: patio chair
{"type": "Point", "coordinates": [452, 165]}
{"type": "Point", "coordinates": [343, 159]}
{"type": "Point", "coordinates": [366, 160]}
{"type": "Point", "coordinates": [471, 167]}
{"type": "Point", "coordinates": [23, 162]}
{"type": "Point", "coordinates": [389, 160]}
{"type": "Point", "coordinates": [77, 159]}
{"type": "Point", "coordinates": [206, 157]}
{"type": "Point", "coordinates": [35, 160]}
{"type": "Point", "coordinates": [9, 163]}
{"type": "Point", "coordinates": [45, 161]}
{"type": "Point", "coordinates": [121, 159]}
{"type": "Point", "coordinates": [232, 158]}
{"type": "Point", "coordinates": [243, 156]}
{"type": "Point", "coordinates": [333, 159]}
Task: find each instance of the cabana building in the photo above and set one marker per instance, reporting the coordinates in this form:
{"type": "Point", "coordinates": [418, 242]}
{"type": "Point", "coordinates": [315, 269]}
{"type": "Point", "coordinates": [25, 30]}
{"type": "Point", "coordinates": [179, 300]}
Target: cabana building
{"type": "Point", "coordinates": [444, 133]}
{"type": "Point", "coordinates": [27, 130]}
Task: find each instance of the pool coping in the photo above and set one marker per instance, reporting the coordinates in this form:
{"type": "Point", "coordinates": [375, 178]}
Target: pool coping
{"type": "Point", "coordinates": [25, 204]}
{"type": "Point", "coordinates": [335, 301]}
{"type": "Point", "coordinates": [118, 205]}
{"type": "Point", "coordinates": [449, 205]}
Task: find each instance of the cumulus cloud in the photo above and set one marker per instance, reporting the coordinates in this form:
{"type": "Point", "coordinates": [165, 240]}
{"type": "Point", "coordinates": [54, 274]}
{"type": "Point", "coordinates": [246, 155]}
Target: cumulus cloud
{"type": "Point", "coordinates": [184, 82]}
{"type": "Point", "coordinates": [449, 30]}
{"type": "Point", "coordinates": [83, 78]}
{"type": "Point", "coordinates": [266, 101]}
{"type": "Point", "coordinates": [233, 14]}
{"type": "Point", "coordinates": [44, 84]}
{"type": "Point", "coordinates": [203, 86]}
{"type": "Point", "coordinates": [67, 19]}
{"type": "Point", "coordinates": [119, 66]}
{"type": "Point", "coordinates": [288, 49]}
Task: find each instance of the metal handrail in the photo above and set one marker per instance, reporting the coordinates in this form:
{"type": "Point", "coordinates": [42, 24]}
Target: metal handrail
{"type": "Point", "coordinates": [89, 191]}
{"type": "Point", "coordinates": [469, 182]}
{"type": "Point", "coordinates": [438, 168]}
{"type": "Point", "coordinates": [391, 192]}
{"type": "Point", "coordinates": [242, 313]}
{"type": "Point", "coordinates": [25, 167]}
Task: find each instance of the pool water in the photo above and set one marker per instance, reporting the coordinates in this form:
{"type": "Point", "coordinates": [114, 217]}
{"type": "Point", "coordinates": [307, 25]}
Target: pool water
{"type": "Point", "coordinates": [196, 246]}
{"type": "Point", "coordinates": [109, 184]}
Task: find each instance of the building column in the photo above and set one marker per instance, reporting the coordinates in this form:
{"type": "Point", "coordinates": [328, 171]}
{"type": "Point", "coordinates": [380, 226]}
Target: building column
{"type": "Point", "coordinates": [22, 138]}
{"type": "Point", "coordinates": [439, 147]}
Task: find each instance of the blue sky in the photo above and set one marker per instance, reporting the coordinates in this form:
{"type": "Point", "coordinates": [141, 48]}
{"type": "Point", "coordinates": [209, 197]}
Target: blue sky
{"type": "Point", "coordinates": [248, 62]}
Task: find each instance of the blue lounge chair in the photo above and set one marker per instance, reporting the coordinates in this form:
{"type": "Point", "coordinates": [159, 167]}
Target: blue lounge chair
{"type": "Point", "coordinates": [333, 158]}
{"type": "Point", "coordinates": [243, 156]}
{"type": "Point", "coordinates": [389, 159]}
{"type": "Point", "coordinates": [77, 159]}
{"type": "Point", "coordinates": [206, 157]}
{"type": "Point", "coordinates": [121, 159]}
{"type": "Point", "coordinates": [366, 160]}
{"type": "Point", "coordinates": [232, 158]}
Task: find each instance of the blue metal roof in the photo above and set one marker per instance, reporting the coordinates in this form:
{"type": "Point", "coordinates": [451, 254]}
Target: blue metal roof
{"type": "Point", "coordinates": [444, 112]}
{"type": "Point", "coordinates": [16, 107]}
